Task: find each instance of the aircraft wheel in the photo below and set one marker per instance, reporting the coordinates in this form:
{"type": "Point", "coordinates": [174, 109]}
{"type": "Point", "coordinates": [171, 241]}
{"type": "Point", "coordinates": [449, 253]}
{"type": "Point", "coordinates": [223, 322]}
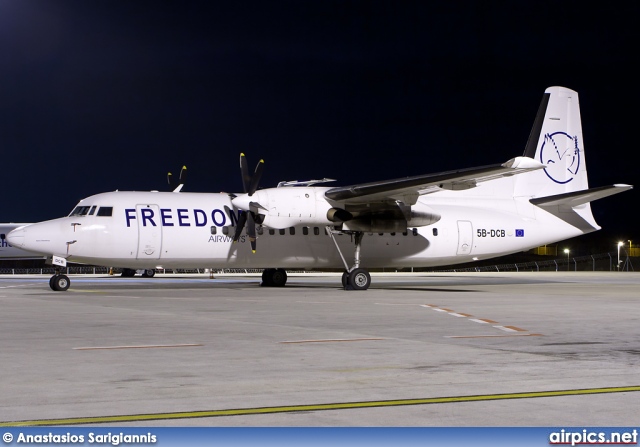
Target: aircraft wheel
{"type": "Point", "coordinates": [274, 278]}
{"type": "Point", "coordinates": [266, 278]}
{"type": "Point", "coordinates": [359, 279]}
{"type": "Point", "coordinates": [345, 279]}
{"type": "Point", "coordinates": [59, 283]}
{"type": "Point", "coordinates": [278, 278]}
{"type": "Point", "coordinates": [149, 273]}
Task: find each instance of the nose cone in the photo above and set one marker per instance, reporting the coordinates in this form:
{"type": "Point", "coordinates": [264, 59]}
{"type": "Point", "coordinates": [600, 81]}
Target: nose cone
{"type": "Point", "coordinates": [16, 237]}
{"type": "Point", "coordinates": [242, 202]}
{"type": "Point", "coordinates": [253, 203]}
{"type": "Point", "coordinates": [42, 238]}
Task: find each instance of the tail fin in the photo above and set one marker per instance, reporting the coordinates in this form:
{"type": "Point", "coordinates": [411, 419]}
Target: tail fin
{"type": "Point", "coordinates": [561, 188]}
{"type": "Point", "coordinates": [555, 141]}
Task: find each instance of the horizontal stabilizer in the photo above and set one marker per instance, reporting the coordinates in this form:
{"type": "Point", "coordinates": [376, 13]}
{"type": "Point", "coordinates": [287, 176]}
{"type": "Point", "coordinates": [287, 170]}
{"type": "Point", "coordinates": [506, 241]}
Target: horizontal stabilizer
{"type": "Point", "coordinates": [576, 198]}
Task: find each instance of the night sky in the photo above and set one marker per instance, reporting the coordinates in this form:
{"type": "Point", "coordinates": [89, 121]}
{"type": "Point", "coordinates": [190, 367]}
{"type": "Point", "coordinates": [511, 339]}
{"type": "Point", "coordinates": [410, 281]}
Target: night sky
{"type": "Point", "coordinates": [104, 95]}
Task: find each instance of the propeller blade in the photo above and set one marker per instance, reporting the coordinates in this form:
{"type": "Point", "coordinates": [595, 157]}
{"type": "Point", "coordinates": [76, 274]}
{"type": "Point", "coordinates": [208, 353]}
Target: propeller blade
{"type": "Point", "coordinates": [183, 175]}
{"type": "Point", "coordinates": [242, 218]}
{"type": "Point", "coordinates": [251, 231]}
{"type": "Point", "coordinates": [170, 179]}
{"type": "Point", "coordinates": [256, 178]}
{"type": "Point", "coordinates": [244, 169]}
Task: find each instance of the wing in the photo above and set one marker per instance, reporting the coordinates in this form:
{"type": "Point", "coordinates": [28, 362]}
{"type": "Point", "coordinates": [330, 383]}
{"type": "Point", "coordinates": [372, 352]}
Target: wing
{"type": "Point", "coordinates": [408, 189]}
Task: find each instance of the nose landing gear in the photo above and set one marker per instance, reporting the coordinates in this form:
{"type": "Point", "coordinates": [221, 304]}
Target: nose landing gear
{"type": "Point", "coordinates": [59, 282]}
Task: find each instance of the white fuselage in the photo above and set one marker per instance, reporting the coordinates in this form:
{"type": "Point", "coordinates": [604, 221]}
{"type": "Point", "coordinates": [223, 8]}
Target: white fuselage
{"type": "Point", "coordinates": [195, 230]}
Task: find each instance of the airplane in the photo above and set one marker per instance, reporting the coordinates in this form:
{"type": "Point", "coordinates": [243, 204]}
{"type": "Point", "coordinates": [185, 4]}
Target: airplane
{"type": "Point", "coordinates": [427, 220]}
{"type": "Point", "coordinates": [9, 252]}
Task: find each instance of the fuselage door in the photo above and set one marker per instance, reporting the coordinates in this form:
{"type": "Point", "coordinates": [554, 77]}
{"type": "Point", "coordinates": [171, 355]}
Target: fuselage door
{"type": "Point", "coordinates": [465, 237]}
{"type": "Point", "coordinates": [149, 231]}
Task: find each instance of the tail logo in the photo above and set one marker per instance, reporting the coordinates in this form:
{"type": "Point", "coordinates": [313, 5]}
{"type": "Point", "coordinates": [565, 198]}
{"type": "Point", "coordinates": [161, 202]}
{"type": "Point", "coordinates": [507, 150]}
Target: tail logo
{"type": "Point", "coordinates": [561, 154]}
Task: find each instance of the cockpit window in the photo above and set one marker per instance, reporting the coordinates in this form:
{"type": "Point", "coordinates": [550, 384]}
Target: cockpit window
{"type": "Point", "coordinates": [92, 210]}
{"type": "Point", "coordinates": [105, 211]}
{"type": "Point", "coordinates": [80, 211]}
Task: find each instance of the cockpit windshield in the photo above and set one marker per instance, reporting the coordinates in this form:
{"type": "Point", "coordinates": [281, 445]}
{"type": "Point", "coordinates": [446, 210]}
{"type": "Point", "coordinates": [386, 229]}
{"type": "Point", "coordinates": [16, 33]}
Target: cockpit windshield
{"type": "Point", "coordinates": [80, 211]}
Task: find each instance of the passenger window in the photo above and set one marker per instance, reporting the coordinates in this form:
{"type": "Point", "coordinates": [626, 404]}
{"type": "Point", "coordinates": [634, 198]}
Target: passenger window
{"type": "Point", "coordinates": [305, 230]}
{"type": "Point", "coordinates": [292, 231]}
{"type": "Point", "coordinates": [316, 231]}
{"type": "Point", "coordinates": [92, 210]}
{"type": "Point", "coordinates": [415, 231]}
{"type": "Point", "coordinates": [225, 230]}
{"type": "Point", "coordinates": [281, 231]}
{"type": "Point", "coordinates": [435, 231]}
{"type": "Point", "coordinates": [105, 211]}
{"type": "Point", "coordinates": [393, 234]}
{"type": "Point", "coordinates": [272, 231]}
{"type": "Point", "coordinates": [214, 230]}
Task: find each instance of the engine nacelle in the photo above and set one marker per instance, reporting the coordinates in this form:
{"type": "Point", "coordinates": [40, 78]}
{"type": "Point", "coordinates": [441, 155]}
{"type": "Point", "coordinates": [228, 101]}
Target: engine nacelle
{"type": "Point", "coordinates": [423, 217]}
{"type": "Point", "coordinates": [339, 215]}
{"type": "Point", "coordinates": [291, 206]}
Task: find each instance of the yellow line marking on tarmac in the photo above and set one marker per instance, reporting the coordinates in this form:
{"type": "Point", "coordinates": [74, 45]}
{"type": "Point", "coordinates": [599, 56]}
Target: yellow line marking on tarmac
{"type": "Point", "coordinates": [185, 345]}
{"type": "Point", "coordinates": [331, 340]}
{"type": "Point", "coordinates": [317, 407]}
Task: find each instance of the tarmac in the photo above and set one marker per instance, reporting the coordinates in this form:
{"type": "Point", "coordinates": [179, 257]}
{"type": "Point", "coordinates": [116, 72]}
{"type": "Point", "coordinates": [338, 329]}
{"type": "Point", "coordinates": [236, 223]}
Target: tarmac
{"type": "Point", "coordinates": [438, 349]}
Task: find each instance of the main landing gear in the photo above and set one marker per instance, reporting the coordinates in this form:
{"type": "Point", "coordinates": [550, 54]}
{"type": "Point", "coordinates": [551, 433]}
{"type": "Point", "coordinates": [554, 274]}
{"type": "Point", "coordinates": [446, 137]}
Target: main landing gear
{"type": "Point", "coordinates": [130, 273]}
{"type": "Point", "coordinates": [59, 282]}
{"type": "Point", "coordinates": [274, 278]}
{"type": "Point", "coordinates": [354, 278]}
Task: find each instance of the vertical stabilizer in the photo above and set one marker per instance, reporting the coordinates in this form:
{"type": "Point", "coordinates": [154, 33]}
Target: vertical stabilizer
{"type": "Point", "coordinates": [555, 141]}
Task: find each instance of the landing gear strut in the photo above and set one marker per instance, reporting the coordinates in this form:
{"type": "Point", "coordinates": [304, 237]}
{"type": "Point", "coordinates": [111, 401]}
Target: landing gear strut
{"type": "Point", "coordinates": [354, 278]}
{"type": "Point", "coordinates": [59, 282]}
{"type": "Point", "coordinates": [274, 278]}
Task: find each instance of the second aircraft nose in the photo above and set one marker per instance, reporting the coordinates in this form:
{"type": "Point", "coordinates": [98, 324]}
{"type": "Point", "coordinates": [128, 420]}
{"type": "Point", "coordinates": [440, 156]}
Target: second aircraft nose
{"type": "Point", "coordinates": [16, 237]}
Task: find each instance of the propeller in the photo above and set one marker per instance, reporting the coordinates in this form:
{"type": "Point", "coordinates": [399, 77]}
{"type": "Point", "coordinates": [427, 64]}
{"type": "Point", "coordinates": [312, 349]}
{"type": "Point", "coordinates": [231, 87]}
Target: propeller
{"type": "Point", "coordinates": [182, 180]}
{"type": "Point", "coordinates": [249, 215]}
